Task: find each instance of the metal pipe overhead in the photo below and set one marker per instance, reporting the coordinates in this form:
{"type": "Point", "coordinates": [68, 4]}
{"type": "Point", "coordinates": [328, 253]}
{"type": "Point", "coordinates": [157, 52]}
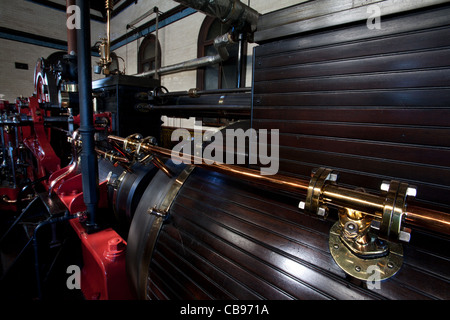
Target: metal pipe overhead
{"type": "Point", "coordinates": [232, 12]}
{"type": "Point", "coordinates": [184, 66]}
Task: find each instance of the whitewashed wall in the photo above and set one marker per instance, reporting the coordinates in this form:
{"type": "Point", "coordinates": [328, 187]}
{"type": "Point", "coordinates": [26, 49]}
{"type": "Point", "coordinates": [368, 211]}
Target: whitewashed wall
{"type": "Point", "coordinates": [178, 42]}
{"type": "Point", "coordinates": [25, 16]}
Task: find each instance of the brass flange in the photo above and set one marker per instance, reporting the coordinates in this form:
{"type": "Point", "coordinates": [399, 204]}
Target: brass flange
{"type": "Point", "coordinates": [365, 238]}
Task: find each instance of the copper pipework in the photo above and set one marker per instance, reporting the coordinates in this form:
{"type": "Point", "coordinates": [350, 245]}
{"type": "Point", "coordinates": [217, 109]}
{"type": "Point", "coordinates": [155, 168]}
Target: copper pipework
{"type": "Point", "coordinates": [421, 217]}
{"type": "Point", "coordinates": [280, 182]}
{"type": "Point", "coordinates": [416, 215]}
{"type": "Point", "coordinates": [71, 33]}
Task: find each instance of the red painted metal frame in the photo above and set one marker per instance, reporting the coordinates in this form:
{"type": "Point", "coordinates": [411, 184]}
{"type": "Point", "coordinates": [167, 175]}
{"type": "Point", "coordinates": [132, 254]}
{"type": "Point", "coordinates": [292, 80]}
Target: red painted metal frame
{"type": "Point", "coordinates": [38, 142]}
{"type": "Point", "coordinates": [11, 195]}
{"type": "Point", "coordinates": [103, 274]}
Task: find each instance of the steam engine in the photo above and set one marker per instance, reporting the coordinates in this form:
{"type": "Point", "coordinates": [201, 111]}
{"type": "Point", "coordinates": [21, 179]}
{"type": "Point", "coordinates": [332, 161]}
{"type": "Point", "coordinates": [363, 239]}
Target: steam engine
{"type": "Point", "coordinates": [358, 209]}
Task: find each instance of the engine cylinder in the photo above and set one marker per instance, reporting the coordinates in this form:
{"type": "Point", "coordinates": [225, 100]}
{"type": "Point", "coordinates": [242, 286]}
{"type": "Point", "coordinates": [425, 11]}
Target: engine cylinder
{"type": "Point", "coordinates": [223, 238]}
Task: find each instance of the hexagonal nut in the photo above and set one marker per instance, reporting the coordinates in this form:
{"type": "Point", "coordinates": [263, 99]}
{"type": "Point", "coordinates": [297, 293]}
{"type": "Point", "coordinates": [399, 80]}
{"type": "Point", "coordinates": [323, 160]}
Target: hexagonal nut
{"type": "Point", "coordinates": [385, 186]}
{"type": "Point", "coordinates": [322, 212]}
{"type": "Point", "coordinates": [333, 177]}
{"type": "Point", "coordinates": [116, 245]}
{"type": "Point", "coordinates": [411, 192]}
{"type": "Point", "coordinates": [405, 235]}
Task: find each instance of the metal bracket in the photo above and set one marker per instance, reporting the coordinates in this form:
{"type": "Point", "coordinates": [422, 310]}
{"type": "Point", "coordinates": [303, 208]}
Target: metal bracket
{"type": "Point", "coordinates": [158, 213]}
{"type": "Point", "coordinates": [135, 143]}
{"type": "Point", "coordinates": [354, 244]}
{"type": "Point", "coordinates": [360, 268]}
{"type": "Point", "coordinates": [162, 211]}
{"type": "Point", "coordinates": [394, 209]}
{"type": "Point", "coordinates": [313, 198]}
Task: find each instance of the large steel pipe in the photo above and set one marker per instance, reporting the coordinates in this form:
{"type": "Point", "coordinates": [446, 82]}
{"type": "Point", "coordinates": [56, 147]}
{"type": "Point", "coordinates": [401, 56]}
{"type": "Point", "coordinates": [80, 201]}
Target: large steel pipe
{"type": "Point", "coordinates": [184, 66]}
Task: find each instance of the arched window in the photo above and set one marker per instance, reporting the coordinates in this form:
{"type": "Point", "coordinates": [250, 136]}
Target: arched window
{"type": "Point", "coordinates": [227, 74]}
{"type": "Point", "coordinates": [146, 57]}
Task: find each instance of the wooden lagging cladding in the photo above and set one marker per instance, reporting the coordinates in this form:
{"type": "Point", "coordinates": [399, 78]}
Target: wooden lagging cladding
{"type": "Point", "coordinates": [257, 245]}
{"type": "Point", "coordinates": [373, 104]}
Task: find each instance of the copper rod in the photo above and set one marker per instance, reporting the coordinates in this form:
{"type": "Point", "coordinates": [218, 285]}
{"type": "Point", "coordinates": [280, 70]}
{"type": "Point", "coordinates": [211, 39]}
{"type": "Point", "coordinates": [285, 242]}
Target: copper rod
{"type": "Point", "coordinates": [416, 215]}
{"type": "Point", "coordinates": [162, 166]}
{"type": "Point", "coordinates": [276, 181]}
{"type": "Point", "coordinates": [71, 33]}
{"type": "Point", "coordinates": [427, 218]}
{"type": "Point", "coordinates": [108, 155]}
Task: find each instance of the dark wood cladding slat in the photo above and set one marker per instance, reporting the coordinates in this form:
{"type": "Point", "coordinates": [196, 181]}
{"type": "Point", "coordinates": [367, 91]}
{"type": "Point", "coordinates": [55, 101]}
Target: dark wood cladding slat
{"type": "Point", "coordinates": [294, 278]}
{"type": "Point", "coordinates": [385, 63]}
{"type": "Point", "coordinates": [187, 273]}
{"type": "Point", "coordinates": [281, 207]}
{"type": "Point", "coordinates": [184, 285]}
{"type": "Point", "coordinates": [381, 150]}
{"type": "Point", "coordinates": [247, 269]}
{"type": "Point", "coordinates": [311, 242]}
{"type": "Point", "coordinates": [304, 11]}
{"type": "Point", "coordinates": [396, 44]}
{"type": "Point", "coordinates": [214, 265]}
{"type": "Point", "coordinates": [403, 170]}
{"type": "Point", "coordinates": [416, 79]}
{"type": "Point", "coordinates": [413, 22]}
{"type": "Point", "coordinates": [206, 188]}
{"type": "Point", "coordinates": [431, 136]}
{"type": "Point", "coordinates": [274, 253]}
{"type": "Point", "coordinates": [245, 221]}
{"type": "Point", "coordinates": [364, 102]}
{"type": "Point", "coordinates": [160, 288]}
{"type": "Point", "coordinates": [154, 292]}
{"type": "Point", "coordinates": [429, 255]}
{"type": "Point", "coordinates": [357, 14]}
{"type": "Point", "coordinates": [396, 116]}
{"type": "Point", "coordinates": [421, 282]}
{"type": "Point", "coordinates": [374, 98]}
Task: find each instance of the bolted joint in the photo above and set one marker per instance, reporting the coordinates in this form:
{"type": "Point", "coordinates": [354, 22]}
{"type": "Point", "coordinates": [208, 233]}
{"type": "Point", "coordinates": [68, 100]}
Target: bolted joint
{"type": "Point", "coordinates": [314, 203]}
{"type": "Point", "coordinates": [404, 235]}
{"type": "Point", "coordinates": [322, 212]}
{"type": "Point", "coordinates": [158, 213]}
{"type": "Point", "coordinates": [391, 227]}
{"type": "Point", "coordinates": [302, 205]}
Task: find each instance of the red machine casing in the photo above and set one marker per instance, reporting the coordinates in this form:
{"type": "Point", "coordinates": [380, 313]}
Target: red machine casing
{"type": "Point", "coordinates": [103, 275]}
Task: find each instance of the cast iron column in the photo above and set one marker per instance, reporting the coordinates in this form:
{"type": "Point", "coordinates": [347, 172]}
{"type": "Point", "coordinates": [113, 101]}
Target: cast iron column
{"type": "Point", "coordinates": [89, 165]}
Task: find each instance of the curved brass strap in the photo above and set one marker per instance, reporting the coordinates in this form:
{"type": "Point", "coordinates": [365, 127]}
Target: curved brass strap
{"type": "Point", "coordinates": [161, 213]}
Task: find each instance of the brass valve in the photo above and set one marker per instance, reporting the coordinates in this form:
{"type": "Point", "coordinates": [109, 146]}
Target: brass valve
{"type": "Point", "coordinates": [136, 144]}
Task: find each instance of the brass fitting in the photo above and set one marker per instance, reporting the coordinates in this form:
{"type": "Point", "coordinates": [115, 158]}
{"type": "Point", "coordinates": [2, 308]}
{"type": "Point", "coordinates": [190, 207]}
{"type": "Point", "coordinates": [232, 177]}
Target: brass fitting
{"type": "Point", "coordinates": [353, 239]}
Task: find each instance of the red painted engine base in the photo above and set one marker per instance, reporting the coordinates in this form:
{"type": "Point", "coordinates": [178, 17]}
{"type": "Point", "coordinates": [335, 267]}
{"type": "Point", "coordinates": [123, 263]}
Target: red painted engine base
{"type": "Point", "coordinates": [103, 276]}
